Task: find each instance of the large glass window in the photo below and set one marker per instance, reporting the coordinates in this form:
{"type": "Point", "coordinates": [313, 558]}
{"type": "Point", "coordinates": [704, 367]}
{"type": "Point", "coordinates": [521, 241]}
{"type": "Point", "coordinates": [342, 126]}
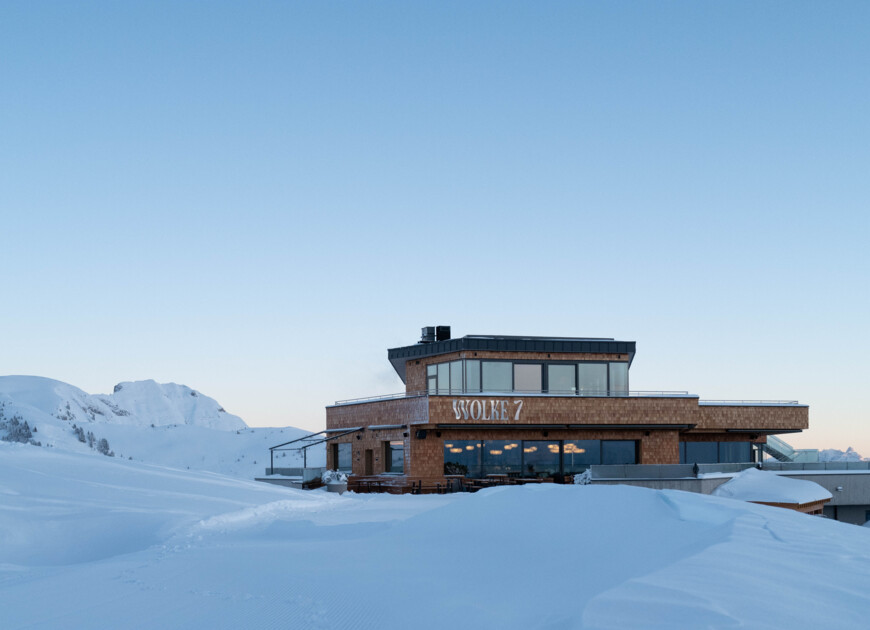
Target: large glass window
{"type": "Point", "coordinates": [715, 452]}
{"type": "Point", "coordinates": [496, 376]}
{"type": "Point", "coordinates": [618, 452]}
{"type": "Point", "coordinates": [701, 453]}
{"type": "Point", "coordinates": [472, 376]}
{"type": "Point", "coordinates": [443, 378]}
{"type": "Point", "coordinates": [396, 460]}
{"type": "Point", "coordinates": [735, 452]}
{"type": "Point", "coordinates": [580, 454]}
{"type": "Point", "coordinates": [527, 378]}
{"type": "Point", "coordinates": [540, 458]}
{"type": "Point", "coordinates": [432, 378]}
{"type": "Point", "coordinates": [619, 378]}
{"type": "Point", "coordinates": [502, 457]}
{"type": "Point", "coordinates": [475, 376]}
{"type": "Point", "coordinates": [462, 457]}
{"type": "Point", "coordinates": [343, 456]}
{"type": "Point", "coordinates": [561, 379]}
{"type": "Point", "coordinates": [592, 379]}
{"type": "Point", "coordinates": [456, 377]}
{"type": "Point", "coordinates": [533, 458]}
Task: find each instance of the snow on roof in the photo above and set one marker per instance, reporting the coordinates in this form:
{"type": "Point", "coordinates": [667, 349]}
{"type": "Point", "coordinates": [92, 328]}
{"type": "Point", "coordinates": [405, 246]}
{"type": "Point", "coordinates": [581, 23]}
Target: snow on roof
{"type": "Point", "coordinates": [759, 485]}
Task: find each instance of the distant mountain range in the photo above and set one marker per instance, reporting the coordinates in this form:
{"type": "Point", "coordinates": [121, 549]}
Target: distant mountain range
{"type": "Point", "coordinates": [139, 403]}
{"type": "Point", "coordinates": [835, 455]}
{"type": "Point", "coordinates": [166, 424]}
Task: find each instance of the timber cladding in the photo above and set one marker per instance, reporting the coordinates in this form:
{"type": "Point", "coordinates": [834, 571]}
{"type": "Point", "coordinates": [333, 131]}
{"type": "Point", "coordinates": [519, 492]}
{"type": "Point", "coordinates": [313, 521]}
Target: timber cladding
{"type": "Point", "coordinates": [398, 411]}
{"type": "Point", "coordinates": [561, 410]}
{"type": "Point", "coordinates": [785, 417]}
{"type": "Point", "coordinates": [424, 457]}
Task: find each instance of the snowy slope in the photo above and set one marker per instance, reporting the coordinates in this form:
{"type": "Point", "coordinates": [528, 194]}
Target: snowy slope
{"type": "Point", "coordinates": [169, 403]}
{"type": "Point", "coordinates": [92, 542]}
{"type": "Point", "coordinates": [170, 424]}
{"type": "Point", "coordinates": [140, 403]}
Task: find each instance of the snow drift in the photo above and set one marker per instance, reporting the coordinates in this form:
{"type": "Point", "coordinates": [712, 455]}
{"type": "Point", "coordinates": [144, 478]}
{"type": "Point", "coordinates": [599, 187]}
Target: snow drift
{"type": "Point", "coordinates": [107, 543]}
{"type": "Point", "coordinates": [759, 485]}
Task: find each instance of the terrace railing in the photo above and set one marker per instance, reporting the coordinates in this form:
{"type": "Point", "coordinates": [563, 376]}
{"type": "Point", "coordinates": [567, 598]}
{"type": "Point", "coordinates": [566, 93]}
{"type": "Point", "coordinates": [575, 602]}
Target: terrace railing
{"type": "Point", "coordinates": [553, 393]}
{"type": "Point", "coordinates": [580, 394]}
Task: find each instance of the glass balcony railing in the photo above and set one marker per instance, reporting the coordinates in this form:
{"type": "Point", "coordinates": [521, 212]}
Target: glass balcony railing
{"type": "Point", "coordinates": [524, 394]}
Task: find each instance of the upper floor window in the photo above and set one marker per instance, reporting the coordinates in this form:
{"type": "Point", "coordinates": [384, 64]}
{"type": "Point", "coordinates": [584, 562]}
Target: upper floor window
{"type": "Point", "coordinates": [592, 379]}
{"type": "Point", "coordinates": [586, 378]}
{"type": "Point", "coordinates": [527, 378]}
{"type": "Point", "coordinates": [561, 379]}
{"type": "Point", "coordinates": [496, 376]}
{"type": "Point", "coordinates": [619, 378]}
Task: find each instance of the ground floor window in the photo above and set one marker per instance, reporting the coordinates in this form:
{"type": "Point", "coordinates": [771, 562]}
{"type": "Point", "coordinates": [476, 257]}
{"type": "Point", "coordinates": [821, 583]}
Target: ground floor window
{"type": "Point", "coordinates": [395, 456]}
{"type": "Point", "coordinates": [533, 458]}
{"type": "Point", "coordinates": [341, 456]}
{"type": "Point", "coordinates": [715, 452]}
{"type": "Point", "coordinates": [462, 457]}
{"type": "Point", "coordinates": [618, 452]}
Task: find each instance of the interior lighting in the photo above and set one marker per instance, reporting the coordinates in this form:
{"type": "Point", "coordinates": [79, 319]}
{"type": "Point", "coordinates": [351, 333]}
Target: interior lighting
{"type": "Point", "coordinates": [495, 452]}
{"type": "Point", "coordinates": [530, 449]}
{"type": "Point", "coordinates": [449, 445]}
{"type": "Point", "coordinates": [469, 448]}
{"type": "Point", "coordinates": [455, 450]}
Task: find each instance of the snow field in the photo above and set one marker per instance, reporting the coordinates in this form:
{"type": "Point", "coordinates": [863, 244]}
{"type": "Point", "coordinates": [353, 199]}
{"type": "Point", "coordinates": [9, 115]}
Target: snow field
{"type": "Point", "coordinates": [91, 542]}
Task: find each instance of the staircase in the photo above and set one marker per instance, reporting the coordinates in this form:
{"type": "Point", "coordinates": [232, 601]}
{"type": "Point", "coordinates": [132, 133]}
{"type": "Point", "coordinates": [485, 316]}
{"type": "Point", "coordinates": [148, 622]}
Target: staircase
{"type": "Point", "coordinates": [783, 452]}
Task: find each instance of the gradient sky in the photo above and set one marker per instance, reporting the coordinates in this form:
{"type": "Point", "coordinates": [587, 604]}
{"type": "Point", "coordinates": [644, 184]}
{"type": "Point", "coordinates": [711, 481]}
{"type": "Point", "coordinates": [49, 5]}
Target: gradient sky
{"type": "Point", "coordinates": [257, 199]}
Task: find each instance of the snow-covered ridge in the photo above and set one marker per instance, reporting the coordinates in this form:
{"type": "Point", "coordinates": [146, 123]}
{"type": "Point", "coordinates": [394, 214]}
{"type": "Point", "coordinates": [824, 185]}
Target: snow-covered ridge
{"type": "Point", "coordinates": [164, 424]}
{"type": "Point", "coordinates": [139, 403]}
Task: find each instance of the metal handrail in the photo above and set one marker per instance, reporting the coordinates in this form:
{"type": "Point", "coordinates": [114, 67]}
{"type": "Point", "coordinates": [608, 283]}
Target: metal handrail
{"type": "Point", "coordinates": [555, 393]}
{"type": "Point", "coordinates": [350, 401]}
{"type": "Point", "coordinates": [748, 402]}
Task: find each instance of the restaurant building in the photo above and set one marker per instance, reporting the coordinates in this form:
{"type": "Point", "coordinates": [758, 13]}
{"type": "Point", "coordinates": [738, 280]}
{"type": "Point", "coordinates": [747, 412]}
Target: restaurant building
{"type": "Point", "coordinates": [512, 408]}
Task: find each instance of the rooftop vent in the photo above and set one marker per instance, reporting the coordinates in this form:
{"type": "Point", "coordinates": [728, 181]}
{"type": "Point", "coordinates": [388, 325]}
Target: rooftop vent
{"type": "Point", "coordinates": [442, 333]}
{"type": "Point", "coordinates": [428, 335]}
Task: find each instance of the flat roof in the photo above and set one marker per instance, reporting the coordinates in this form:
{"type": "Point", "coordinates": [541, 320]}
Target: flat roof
{"type": "Point", "coordinates": [509, 343]}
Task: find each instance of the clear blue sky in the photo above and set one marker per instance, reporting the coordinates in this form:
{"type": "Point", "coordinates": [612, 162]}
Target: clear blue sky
{"type": "Point", "coordinates": [257, 199]}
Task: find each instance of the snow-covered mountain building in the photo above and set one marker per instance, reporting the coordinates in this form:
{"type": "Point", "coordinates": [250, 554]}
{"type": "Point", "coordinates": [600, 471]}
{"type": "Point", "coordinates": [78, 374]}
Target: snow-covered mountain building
{"type": "Point", "coordinates": [502, 408]}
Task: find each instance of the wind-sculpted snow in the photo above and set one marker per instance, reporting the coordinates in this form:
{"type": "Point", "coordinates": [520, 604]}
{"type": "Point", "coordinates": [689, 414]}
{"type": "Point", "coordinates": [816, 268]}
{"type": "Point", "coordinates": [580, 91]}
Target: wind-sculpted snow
{"type": "Point", "coordinates": [768, 487]}
{"type": "Point", "coordinates": [212, 551]}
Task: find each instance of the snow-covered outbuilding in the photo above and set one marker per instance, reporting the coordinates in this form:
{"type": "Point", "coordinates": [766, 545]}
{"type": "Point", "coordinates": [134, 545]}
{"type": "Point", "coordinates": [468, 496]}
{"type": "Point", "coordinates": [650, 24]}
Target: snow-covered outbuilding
{"type": "Point", "coordinates": [767, 488]}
